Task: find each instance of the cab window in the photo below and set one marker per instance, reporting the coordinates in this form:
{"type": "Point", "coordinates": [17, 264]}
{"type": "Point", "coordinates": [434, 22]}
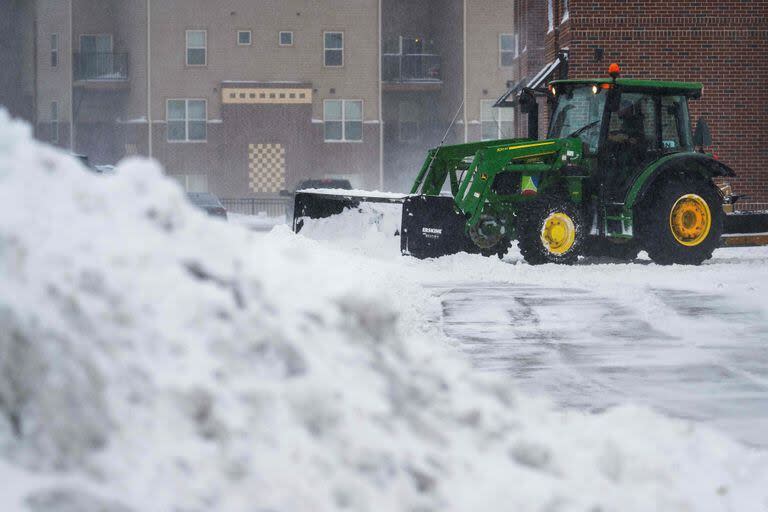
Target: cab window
{"type": "Point", "coordinates": [675, 124]}
{"type": "Point", "coordinates": [635, 122]}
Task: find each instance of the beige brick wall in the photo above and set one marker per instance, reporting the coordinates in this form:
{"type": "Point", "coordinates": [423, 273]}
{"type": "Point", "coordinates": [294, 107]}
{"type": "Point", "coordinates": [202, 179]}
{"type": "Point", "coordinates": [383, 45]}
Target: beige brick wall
{"type": "Point", "coordinates": [486, 20]}
{"type": "Point", "coordinates": [53, 84]}
{"type": "Point", "coordinates": [264, 60]}
{"type": "Point", "coordinates": [131, 36]}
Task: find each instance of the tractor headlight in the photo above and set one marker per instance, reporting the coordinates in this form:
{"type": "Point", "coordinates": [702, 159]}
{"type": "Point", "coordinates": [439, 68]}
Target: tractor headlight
{"type": "Point", "coordinates": [594, 89]}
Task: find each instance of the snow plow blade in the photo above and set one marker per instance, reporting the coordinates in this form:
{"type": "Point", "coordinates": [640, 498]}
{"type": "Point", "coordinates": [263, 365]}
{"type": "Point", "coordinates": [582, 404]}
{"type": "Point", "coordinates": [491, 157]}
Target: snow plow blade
{"type": "Point", "coordinates": [321, 203]}
{"type": "Point", "coordinates": [745, 229]}
{"type": "Point", "coordinates": [432, 227]}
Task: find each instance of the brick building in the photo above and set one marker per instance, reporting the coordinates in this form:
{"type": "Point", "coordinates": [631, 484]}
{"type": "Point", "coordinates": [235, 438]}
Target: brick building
{"type": "Point", "coordinates": [723, 45]}
{"type": "Point", "coordinates": [244, 98]}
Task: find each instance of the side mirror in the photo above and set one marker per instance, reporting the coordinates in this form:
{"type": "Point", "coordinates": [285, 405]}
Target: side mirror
{"type": "Point", "coordinates": [285, 193]}
{"type": "Point", "coordinates": [702, 136]}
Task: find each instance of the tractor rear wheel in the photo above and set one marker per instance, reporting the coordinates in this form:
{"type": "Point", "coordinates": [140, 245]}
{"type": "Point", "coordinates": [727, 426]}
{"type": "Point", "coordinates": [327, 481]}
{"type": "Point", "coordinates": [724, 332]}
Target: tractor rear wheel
{"type": "Point", "coordinates": [551, 229]}
{"type": "Point", "coordinates": [682, 222]}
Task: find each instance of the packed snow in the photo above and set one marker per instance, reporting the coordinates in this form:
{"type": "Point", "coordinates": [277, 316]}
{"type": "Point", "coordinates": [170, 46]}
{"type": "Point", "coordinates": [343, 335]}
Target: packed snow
{"type": "Point", "coordinates": [153, 359]}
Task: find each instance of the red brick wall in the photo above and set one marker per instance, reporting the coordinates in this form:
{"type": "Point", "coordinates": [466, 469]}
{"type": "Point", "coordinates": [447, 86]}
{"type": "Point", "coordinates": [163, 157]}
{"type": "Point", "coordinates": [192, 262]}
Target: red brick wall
{"type": "Point", "coordinates": [723, 44]}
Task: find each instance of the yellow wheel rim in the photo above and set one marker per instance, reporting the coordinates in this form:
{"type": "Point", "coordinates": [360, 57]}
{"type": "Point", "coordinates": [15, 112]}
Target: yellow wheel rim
{"type": "Point", "coordinates": [690, 220]}
{"type": "Point", "coordinates": [559, 233]}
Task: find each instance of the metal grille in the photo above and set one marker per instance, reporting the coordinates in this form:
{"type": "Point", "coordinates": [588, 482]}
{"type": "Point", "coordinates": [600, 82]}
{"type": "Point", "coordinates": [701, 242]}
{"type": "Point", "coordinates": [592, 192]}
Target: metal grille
{"type": "Point", "coordinates": [269, 206]}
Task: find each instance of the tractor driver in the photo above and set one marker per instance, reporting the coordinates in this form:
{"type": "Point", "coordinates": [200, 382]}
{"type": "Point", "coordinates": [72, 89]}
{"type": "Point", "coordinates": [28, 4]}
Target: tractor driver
{"type": "Point", "coordinates": [628, 145]}
{"type": "Point", "coordinates": [632, 132]}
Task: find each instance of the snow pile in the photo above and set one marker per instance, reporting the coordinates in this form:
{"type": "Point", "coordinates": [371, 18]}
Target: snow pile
{"type": "Point", "coordinates": [152, 359]}
{"type": "Point", "coordinates": [371, 229]}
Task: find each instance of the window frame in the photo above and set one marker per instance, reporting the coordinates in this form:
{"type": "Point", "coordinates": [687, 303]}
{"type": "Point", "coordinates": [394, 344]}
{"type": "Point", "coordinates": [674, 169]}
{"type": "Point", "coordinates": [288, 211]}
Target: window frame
{"type": "Point", "coordinates": [566, 13]}
{"type": "Point", "coordinates": [186, 139]}
{"type": "Point", "coordinates": [280, 40]}
{"type": "Point", "coordinates": [55, 50]}
{"type": "Point", "coordinates": [187, 48]}
{"type": "Point", "coordinates": [498, 121]}
{"type": "Point", "coordinates": [237, 39]}
{"type": "Point", "coordinates": [513, 51]}
{"type": "Point", "coordinates": [326, 49]}
{"type": "Point", "coordinates": [343, 121]}
{"type": "Point", "coordinates": [54, 122]}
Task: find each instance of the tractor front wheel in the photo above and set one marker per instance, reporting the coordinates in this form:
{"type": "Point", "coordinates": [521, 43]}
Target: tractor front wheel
{"type": "Point", "coordinates": [551, 230]}
{"type": "Point", "coordinates": [682, 222]}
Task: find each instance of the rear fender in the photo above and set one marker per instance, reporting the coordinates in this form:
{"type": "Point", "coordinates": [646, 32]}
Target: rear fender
{"type": "Point", "coordinates": [680, 164]}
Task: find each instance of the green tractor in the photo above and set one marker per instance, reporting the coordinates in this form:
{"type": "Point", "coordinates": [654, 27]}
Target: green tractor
{"type": "Point", "coordinates": [619, 172]}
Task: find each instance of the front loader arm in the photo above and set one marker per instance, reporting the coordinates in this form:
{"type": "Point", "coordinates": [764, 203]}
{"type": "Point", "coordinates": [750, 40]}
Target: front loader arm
{"type": "Point", "coordinates": [446, 162]}
{"type": "Point", "coordinates": [530, 158]}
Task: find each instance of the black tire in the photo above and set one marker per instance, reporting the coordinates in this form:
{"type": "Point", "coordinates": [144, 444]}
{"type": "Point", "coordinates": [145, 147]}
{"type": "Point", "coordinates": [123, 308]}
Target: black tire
{"type": "Point", "coordinates": [602, 248]}
{"type": "Point", "coordinates": [531, 226]}
{"type": "Point", "coordinates": [655, 226]}
{"type": "Point", "coordinates": [501, 249]}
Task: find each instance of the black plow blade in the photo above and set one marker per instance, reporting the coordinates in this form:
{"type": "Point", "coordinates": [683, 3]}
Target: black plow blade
{"type": "Point", "coordinates": [320, 205]}
{"type": "Point", "coordinates": [431, 227]}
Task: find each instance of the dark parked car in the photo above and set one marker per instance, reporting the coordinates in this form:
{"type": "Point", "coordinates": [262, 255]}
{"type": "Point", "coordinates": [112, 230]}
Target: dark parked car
{"type": "Point", "coordinates": [208, 202]}
{"type": "Point", "coordinates": [308, 184]}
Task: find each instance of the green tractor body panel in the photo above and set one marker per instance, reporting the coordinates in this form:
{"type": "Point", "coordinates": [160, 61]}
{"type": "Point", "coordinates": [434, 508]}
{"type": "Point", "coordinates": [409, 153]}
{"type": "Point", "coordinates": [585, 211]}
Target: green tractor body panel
{"type": "Point", "coordinates": [690, 162]}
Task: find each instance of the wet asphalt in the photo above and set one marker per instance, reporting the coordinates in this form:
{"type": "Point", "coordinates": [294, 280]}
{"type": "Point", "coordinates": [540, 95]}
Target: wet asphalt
{"type": "Point", "coordinates": [700, 359]}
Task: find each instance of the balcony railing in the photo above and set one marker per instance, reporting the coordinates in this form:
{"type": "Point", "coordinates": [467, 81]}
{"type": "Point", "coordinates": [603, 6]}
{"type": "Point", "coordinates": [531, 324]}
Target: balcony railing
{"type": "Point", "coordinates": [409, 68]}
{"type": "Point", "coordinates": [102, 66]}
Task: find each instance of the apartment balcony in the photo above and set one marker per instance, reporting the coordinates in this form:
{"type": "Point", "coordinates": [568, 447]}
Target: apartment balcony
{"type": "Point", "coordinates": [411, 72]}
{"type": "Point", "coordinates": [105, 71]}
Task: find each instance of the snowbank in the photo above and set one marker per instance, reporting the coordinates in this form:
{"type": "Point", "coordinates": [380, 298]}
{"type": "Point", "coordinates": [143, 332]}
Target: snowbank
{"type": "Point", "coordinates": [152, 359]}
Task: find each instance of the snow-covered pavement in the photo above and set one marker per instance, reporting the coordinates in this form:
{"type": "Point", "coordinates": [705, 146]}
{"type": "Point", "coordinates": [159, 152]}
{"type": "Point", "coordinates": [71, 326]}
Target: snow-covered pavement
{"type": "Point", "coordinates": [690, 342]}
{"type": "Point", "coordinates": [705, 358]}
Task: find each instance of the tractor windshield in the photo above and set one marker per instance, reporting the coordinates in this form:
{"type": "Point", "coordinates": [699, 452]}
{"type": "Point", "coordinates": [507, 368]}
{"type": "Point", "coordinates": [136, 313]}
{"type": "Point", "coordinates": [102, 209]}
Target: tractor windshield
{"type": "Point", "coordinates": [578, 113]}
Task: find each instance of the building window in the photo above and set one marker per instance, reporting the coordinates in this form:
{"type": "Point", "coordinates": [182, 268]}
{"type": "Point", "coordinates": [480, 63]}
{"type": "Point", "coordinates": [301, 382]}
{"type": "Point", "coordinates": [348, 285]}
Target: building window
{"type": "Point", "coordinates": [343, 120]}
{"type": "Point", "coordinates": [333, 49]}
{"type": "Point", "coordinates": [286, 38]}
{"type": "Point", "coordinates": [95, 43]}
{"type": "Point", "coordinates": [55, 122]}
{"type": "Point", "coordinates": [197, 47]}
{"type": "Point", "coordinates": [187, 120]}
{"type": "Point", "coordinates": [408, 121]}
{"type": "Point", "coordinates": [243, 38]}
{"type": "Point", "coordinates": [550, 16]}
{"type": "Point", "coordinates": [507, 49]}
{"type": "Point", "coordinates": [54, 50]}
{"type": "Point", "coordinates": [496, 123]}
{"type": "Point", "coordinates": [566, 14]}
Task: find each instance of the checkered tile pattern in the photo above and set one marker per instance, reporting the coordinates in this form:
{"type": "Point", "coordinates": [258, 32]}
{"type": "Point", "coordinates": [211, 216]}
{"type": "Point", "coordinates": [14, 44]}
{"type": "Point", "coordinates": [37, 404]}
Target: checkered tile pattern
{"type": "Point", "coordinates": [267, 167]}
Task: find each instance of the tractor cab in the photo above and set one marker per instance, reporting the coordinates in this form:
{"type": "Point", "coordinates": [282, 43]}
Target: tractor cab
{"type": "Point", "coordinates": [624, 125]}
